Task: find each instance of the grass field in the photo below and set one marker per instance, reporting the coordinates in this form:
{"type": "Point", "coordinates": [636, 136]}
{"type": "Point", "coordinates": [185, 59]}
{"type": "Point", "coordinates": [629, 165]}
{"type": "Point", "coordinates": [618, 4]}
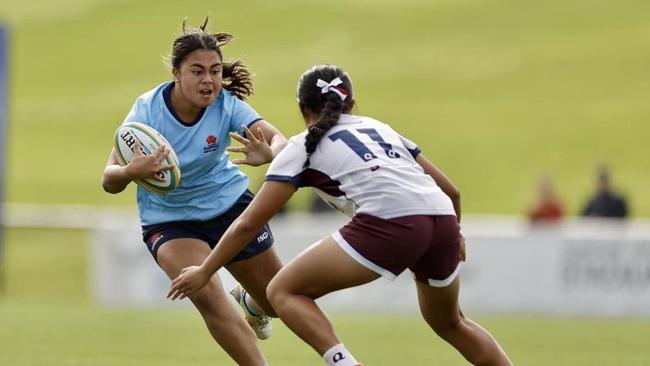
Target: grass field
{"type": "Point", "coordinates": [495, 92]}
{"type": "Point", "coordinates": [47, 319]}
{"type": "Point", "coordinates": [43, 335]}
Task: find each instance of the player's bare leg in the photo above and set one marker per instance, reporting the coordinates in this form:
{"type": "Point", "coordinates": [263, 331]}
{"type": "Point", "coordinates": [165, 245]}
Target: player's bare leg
{"type": "Point", "coordinates": [254, 275]}
{"type": "Point", "coordinates": [224, 322]}
{"type": "Point", "coordinates": [321, 269]}
{"type": "Point", "coordinates": [440, 309]}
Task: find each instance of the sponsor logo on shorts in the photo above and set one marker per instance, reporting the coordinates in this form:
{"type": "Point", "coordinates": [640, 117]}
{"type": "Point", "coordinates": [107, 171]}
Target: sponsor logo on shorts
{"type": "Point", "coordinates": [155, 238]}
{"type": "Point", "coordinates": [262, 237]}
{"type": "Point", "coordinates": [211, 144]}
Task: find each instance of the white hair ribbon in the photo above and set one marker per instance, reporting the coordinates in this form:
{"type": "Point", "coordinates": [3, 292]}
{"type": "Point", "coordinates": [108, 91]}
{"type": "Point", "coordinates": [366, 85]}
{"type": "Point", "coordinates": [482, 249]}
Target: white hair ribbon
{"type": "Point", "coordinates": [326, 87]}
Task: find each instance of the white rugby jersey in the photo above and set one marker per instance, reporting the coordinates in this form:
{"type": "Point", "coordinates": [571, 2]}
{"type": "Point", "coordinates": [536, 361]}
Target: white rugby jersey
{"type": "Point", "coordinates": [362, 165]}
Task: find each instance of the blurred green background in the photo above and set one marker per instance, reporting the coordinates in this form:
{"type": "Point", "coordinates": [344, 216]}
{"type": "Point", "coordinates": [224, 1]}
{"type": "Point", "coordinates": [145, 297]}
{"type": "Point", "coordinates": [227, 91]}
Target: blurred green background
{"type": "Point", "coordinates": [496, 93]}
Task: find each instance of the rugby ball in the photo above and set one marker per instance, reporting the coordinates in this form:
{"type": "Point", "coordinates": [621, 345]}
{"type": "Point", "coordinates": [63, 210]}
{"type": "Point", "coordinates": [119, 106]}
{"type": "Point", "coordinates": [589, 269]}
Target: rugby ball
{"type": "Point", "coordinates": [150, 140]}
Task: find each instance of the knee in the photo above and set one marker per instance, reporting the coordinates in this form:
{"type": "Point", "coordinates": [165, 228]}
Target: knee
{"type": "Point", "coordinates": [265, 305]}
{"type": "Point", "coordinates": [205, 304]}
{"type": "Point", "coordinates": [276, 293]}
{"type": "Point", "coordinates": [211, 306]}
{"type": "Point", "coordinates": [446, 327]}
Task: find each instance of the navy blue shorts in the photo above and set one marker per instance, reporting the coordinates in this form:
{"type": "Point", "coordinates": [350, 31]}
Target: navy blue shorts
{"type": "Point", "coordinates": [209, 231]}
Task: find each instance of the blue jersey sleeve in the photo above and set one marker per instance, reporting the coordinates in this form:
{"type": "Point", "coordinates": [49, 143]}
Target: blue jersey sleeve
{"type": "Point", "coordinates": [137, 112]}
{"type": "Point", "coordinates": [242, 115]}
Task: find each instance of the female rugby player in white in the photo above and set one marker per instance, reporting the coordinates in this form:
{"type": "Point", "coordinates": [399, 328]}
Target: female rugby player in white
{"type": "Point", "coordinates": [405, 215]}
{"type": "Point", "coordinates": [196, 112]}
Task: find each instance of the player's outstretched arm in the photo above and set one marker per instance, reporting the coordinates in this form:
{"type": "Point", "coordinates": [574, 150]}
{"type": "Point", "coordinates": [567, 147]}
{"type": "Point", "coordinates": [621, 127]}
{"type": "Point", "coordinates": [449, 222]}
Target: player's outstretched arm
{"type": "Point", "coordinates": [271, 197]}
{"type": "Point", "coordinates": [260, 145]}
{"type": "Point", "coordinates": [443, 182]}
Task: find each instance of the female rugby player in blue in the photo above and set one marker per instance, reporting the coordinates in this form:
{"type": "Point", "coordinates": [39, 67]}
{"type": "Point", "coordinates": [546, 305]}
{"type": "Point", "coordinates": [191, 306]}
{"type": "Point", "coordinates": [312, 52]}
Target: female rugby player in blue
{"type": "Point", "coordinates": [405, 215]}
{"type": "Point", "coordinates": [197, 112]}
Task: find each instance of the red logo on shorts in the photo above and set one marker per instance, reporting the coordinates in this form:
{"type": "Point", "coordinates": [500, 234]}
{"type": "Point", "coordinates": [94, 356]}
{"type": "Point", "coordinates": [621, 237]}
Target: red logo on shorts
{"type": "Point", "coordinates": [153, 240]}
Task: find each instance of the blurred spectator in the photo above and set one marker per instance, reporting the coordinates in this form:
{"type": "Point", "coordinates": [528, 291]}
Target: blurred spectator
{"type": "Point", "coordinates": [547, 206]}
{"type": "Point", "coordinates": [605, 202]}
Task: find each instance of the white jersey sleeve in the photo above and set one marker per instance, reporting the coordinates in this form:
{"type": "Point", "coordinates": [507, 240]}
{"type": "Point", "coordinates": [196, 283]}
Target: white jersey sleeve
{"type": "Point", "coordinates": [410, 146]}
{"type": "Point", "coordinates": [287, 166]}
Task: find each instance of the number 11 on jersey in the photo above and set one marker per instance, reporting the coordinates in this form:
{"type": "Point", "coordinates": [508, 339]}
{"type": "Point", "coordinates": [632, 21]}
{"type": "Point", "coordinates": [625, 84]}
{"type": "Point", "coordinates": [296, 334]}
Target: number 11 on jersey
{"type": "Point", "coordinates": [359, 148]}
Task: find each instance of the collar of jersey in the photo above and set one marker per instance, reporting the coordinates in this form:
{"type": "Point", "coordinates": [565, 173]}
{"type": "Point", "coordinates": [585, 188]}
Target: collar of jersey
{"type": "Point", "coordinates": [349, 118]}
{"type": "Point", "coordinates": [167, 96]}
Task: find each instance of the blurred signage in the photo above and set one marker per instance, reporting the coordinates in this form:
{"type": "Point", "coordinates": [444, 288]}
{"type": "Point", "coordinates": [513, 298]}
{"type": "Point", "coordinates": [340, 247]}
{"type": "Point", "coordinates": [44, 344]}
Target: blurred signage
{"type": "Point", "coordinates": [576, 268]}
{"type": "Point", "coordinates": [610, 265]}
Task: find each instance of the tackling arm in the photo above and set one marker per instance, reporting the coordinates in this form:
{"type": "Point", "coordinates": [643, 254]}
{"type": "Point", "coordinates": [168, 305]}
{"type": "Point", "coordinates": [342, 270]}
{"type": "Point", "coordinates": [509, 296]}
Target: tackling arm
{"type": "Point", "coordinates": [443, 182]}
{"type": "Point", "coordinates": [261, 144]}
{"type": "Point", "coordinates": [275, 138]}
{"type": "Point", "coordinates": [271, 197]}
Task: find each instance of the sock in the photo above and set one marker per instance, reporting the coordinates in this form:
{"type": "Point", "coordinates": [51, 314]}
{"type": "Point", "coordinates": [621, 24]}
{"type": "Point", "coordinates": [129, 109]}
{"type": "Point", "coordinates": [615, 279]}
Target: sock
{"type": "Point", "coordinates": [339, 356]}
{"type": "Point", "coordinates": [250, 306]}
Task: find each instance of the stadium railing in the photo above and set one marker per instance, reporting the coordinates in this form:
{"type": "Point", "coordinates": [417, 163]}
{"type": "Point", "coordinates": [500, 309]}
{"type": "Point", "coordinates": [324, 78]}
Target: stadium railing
{"type": "Point", "coordinates": [576, 267]}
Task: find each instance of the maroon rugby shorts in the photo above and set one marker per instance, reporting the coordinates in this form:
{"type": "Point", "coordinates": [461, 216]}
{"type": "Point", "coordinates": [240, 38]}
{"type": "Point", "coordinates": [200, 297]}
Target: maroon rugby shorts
{"type": "Point", "coordinates": [427, 245]}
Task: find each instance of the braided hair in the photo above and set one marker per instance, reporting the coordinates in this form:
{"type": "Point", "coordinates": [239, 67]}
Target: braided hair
{"type": "Point", "coordinates": [236, 78]}
{"type": "Point", "coordinates": [328, 102]}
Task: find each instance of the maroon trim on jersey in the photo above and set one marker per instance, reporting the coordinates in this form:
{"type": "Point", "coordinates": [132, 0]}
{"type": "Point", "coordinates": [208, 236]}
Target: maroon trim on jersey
{"type": "Point", "coordinates": [320, 180]}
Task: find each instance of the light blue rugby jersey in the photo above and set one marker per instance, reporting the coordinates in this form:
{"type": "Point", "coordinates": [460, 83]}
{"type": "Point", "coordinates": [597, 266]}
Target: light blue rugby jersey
{"type": "Point", "coordinates": [210, 183]}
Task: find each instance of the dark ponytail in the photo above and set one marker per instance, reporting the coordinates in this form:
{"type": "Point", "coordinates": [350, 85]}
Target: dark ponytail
{"type": "Point", "coordinates": [236, 78]}
{"type": "Point", "coordinates": [329, 105]}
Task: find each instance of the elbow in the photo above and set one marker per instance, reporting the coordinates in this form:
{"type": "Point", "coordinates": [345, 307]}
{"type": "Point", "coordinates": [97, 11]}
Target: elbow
{"type": "Point", "coordinates": [247, 227]}
{"type": "Point", "coordinates": [105, 186]}
{"type": "Point", "coordinates": [109, 188]}
{"type": "Point", "coordinates": [278, 144]}
{"type": "Point", "coordinates": [282, 141]}
{"type": "Point", "coordinates": [454, 194]}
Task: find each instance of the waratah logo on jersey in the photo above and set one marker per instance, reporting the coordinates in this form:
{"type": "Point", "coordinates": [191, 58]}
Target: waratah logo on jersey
{"type": "Point", "coordinates": [211, 144]}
